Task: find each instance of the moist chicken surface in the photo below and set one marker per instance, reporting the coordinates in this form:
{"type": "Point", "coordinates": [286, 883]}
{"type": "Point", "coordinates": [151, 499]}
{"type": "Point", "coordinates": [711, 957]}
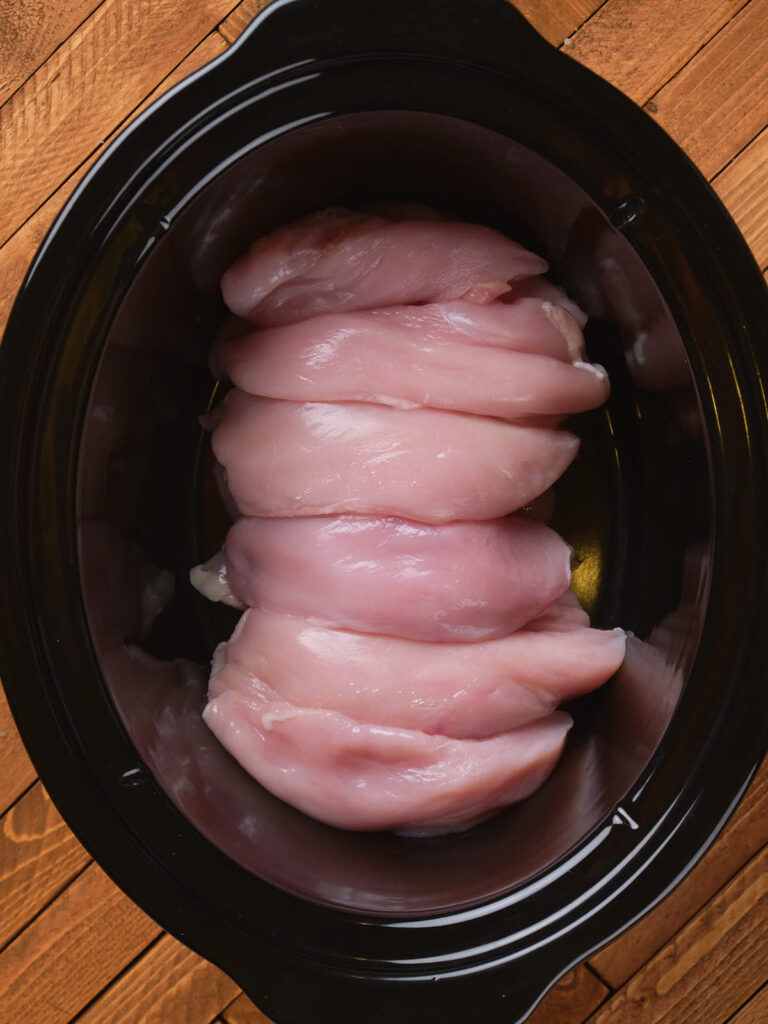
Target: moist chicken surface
{"type": "Point", "coordinates": [340, 260]}
{"type": "Point", "coordinates": [405, 642]}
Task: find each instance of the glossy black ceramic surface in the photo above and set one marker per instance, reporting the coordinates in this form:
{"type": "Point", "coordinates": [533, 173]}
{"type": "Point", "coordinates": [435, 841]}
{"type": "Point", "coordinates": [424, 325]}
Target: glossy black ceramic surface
{"type": "Point", "coordinates": [110, 500]}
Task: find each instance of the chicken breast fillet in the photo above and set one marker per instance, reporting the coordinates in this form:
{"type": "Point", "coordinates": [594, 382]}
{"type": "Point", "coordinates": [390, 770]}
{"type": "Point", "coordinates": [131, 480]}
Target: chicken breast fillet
{"type": "Point", "coordinates": [508, 361]}
{"type": "Point", "coordinates": [315, 458]}
{"type": "Point", "coordinates": [460, 581]}
{"type": "Point", "coordinates": [466, 691]}
{"type": "Point", "coordinates": [338, 260]}
{"type": "Point", "coordinates": [370, 777]}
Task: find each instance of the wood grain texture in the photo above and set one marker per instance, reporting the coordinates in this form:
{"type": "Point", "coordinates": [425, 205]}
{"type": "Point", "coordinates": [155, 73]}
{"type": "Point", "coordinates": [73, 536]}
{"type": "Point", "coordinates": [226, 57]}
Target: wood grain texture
{"type": "Point", "coordinates": [745, 835]}
{"type": "Point", "coordinates": [68, 107]}
{"type": "Point", "coordinates": [556, 20]}
{"type": "Point", "coordinates": [17, 253]}
{"type": "Point", "coordinates": [571, 1000]}
{"type": "Point", "coordinates": [243, 1011]}
{"type": "Point", "coordinates": [707, 971]}
{"type": "Point", "coordinates": [39, 856]}
{"type": "Point", "coordinates": [719, 101]}
{"type": "Point", "coordinates": [16, 771]}
{"type": "Point", "coordinates": [743, 187]}
{"type": "Point", "coordinates": [755, 1011]}
{"type": "Point", "coordinates": [30, 30]}
{"type": "Point", "coordinates": [72, 951]}
{"type": "Point", "coordinates": [240, 18]}
{"type": "Point", "coordinates": [168, 983]}
{"type": "Point", "coordinates": [639, 44]}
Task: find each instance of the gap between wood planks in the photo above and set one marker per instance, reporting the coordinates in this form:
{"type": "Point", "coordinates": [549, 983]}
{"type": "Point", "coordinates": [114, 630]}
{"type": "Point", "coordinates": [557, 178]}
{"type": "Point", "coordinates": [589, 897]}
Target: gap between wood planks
{"type": "Point", "coordinates": [701, 974]}
{"type": "Point", "coordinates": [754, 1011]}
{"type": "Point", "coordinates": [229, 27]}
{"type": "Point", "coordinates": [239, 16]}
{"type": "Point", "coordinates": [39, 858]}
{"type": "Point", "coordinates": [72, 950]}
{"type": "Point", "coordinates": [55, 25]}
{"type": "Point", "coordinates": [91, 83]}
{"type": "Point", "coordinates": [652, 59]}
{"type": "Point", "coordinates": [744, 836]}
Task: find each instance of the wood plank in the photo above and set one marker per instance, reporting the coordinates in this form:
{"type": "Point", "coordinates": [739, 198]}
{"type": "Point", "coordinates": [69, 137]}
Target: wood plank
{"type": "Point", "coordinates": [639, 44]}
{"type": "Point", "coordinates": [554, 19]}
{"type": "Point", "coordinates": [71, 951]}
{"type": "Point", "coordinates": [571, 1000]}
{"type": "Point", "coordinates": [743, 187]}
{"type": "Point", "coordinates": [240, 18]}
{"type": "Point", "coordinates": [39, 856]}
{"type": "Point", "coordinates": [745, 834]}
{"type": "Point", "coordinates": [169, 983]}
{"type": "Point", "coordinates": [756, 1010]}
{"type": "Point", "coordinates": [30, 30]}
{"type": "Point", "coordinates": [243, 1011]}
{"type": "Point", "coordinates": [16, 770]}
{"type": "Point", "coordinates": [212, 46]}
{"type": "Point", "coordinates": [719, 101]}
{"type": "Point", "coordinates": [707, 971]}
{"type": "Point", "coordinates": [17, 253]}
{"type": "Point", "coordinates": [88, 86]}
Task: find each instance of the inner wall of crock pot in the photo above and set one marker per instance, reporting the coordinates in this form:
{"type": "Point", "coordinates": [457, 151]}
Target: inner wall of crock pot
{"type": "Point", "coordinates": [633, 506]}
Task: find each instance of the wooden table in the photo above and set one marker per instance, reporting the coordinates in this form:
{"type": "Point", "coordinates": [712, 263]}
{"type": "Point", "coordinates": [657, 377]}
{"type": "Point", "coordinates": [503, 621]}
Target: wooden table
{"type": "Point", "coordinates": [72, 73]}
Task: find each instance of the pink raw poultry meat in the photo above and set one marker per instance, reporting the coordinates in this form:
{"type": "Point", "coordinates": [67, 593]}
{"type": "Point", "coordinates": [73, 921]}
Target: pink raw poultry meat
{"type": "Point", "coordinates": [529, 363]}
{"type": "Point", "coordinates": [543, 290]}
{"type": "Point", "coordinates": [338, 260]}
{"type": "Point", "coordinates": [534, 325]}
{"type": "Point", "coordinates": [313, 458]}
{"type": "Point", "coordinates": [459, 581]}
{"type": "Point", "coordinates": [354, 775]}
{"type": "Point", "coordinates": [398, 666]}
{"type": "Point", "coordinates": [461, 690]}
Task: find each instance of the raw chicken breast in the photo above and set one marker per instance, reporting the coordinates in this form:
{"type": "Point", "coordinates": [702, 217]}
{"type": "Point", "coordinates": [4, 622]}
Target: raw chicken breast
{"type": "Point", "coordinates": [459, 690]}
{"type": "Point", "coordinates": [397, 666]}
{"type": "Point", "coordinates": [563, 615]}
{"type": "Point", "coordinates": [425, 356]}
{"type": "Point", "coordinates": [533, 325]}
{"type": "Point", "coordinates": [291, 458]}
{"type": "Point", "coordinates": [354, 775]}
{"type": "Point", "coordinates": [542, 289]}
{"type": "Point", "coordinates": [458, 581]}
{"type": "Point", "coordinates": [338, 260]}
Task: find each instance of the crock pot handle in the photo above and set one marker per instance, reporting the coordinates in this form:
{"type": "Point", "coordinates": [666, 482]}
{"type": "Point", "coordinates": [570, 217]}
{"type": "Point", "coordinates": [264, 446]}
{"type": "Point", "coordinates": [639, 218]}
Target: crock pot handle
{"type": "Point", "coordinates": [289, 992]}
{"type": "Point", "coordinates": [491, 33]}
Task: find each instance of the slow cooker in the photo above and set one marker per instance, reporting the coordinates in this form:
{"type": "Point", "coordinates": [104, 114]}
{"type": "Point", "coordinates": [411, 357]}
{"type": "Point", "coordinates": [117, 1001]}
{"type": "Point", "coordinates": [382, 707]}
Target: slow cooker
{"type": "Point", "coordinates": [109, 500]}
